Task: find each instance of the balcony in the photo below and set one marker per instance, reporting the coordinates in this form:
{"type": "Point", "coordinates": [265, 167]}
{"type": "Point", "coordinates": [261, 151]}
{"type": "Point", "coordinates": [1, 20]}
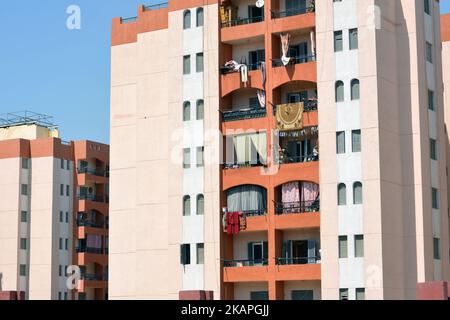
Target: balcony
{"type": "Point", "coordinates": [90, 224]}
{"type": "Point", "coordinates": [297, 207]}
{"type": "Point", "coordinates": [245, 263]}
{"type": "Point", "coordinates": [94, 198]}
{"type": "Point", "coordinates": [89, 250]}
{"type": "Point", "coordinates": [244, 114]}
{"type": "Point", "coordinates": [241, 21]}
{"type": "Point", "coordinates": [92, 172]}
{"type": "Point", "coordinates": [294, 60]}
{"type": "Point", "coordinates": [93, 277]}
{"type": "Point", "coordinates": [297, 260]}
{"type": "Point", "coordinates": [303, 9]}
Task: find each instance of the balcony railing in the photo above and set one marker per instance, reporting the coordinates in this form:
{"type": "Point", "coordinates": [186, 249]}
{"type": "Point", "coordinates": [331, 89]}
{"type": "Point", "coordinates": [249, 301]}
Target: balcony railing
{"type": "Point", "coordinates": [293, 12]}
{"type": "Point", "coordinates": [244, 114]}
{"type": "Point", "coordinates": [297, 207]}
{"type": "Point", "coordinates": [129, 20]}
{"type": "Point", "coordinates": [308, 105]}
{"type": "Point", "coordinates": [93, 277]}
{"type": "Point", "coordinates": [90, 224]}
{"type": "Point", "coordinates": [294, 60]}
{"type": "Point", "coordinates": [291, 261]}
{"type": "Point", "coordinates": [89, 250]}
{"type": "Point", "coordinates": [242, 165]}
{"type": "Point", "coordinates": [99, 173]}
{"type": "Point", "coordinates": [92, 197]}
{"type": "Point", "coordinates": [285, 158]}
{"type": "Point", "coordinates": [238, 22]}
{"type": "Point", "coordinates": [254, 213]}
{"type": "Point", "coordinates": [250, 67]}
{"type": "Point", "coordinates": [245, 263]}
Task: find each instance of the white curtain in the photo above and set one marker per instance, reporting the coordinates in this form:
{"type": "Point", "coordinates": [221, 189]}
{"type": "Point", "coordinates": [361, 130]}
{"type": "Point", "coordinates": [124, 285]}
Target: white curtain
{"type": "Point", "coordinates": [246, 198]}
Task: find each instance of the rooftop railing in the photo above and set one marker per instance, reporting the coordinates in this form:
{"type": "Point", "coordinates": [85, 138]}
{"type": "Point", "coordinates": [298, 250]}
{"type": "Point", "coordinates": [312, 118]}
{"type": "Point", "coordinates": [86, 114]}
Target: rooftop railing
{"type": "Point", "coordinates": [156, 6]}
{"type": "Point", "coordinates": [129, 20]}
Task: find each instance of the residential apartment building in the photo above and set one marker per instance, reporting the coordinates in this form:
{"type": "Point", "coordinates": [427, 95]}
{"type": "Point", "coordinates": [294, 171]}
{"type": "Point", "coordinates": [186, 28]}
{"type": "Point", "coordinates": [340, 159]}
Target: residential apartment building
{"type": "Point", "coordinates": [278, 149]}
{"type": "Point", "coordinates": [53, 211]}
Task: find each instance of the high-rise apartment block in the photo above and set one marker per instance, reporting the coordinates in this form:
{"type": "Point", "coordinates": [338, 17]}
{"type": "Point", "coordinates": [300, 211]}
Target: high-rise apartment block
{"type": "Point", "coordinates": [53, 212]}
{"type": "Point", "coordinates": [278, 149]}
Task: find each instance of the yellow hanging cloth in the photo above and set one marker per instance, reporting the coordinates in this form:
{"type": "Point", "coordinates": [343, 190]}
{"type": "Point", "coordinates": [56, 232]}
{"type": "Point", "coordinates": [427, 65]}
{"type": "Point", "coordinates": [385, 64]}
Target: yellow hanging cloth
{"type": "Point", "coordinates": [290, 116]}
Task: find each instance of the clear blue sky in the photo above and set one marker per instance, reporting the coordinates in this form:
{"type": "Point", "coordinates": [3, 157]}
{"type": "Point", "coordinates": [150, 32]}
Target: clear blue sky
{"type": "Point", "coordinates": [49, 69]}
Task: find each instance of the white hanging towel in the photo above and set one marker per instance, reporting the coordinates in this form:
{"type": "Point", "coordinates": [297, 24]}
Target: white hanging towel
{"type": "Point", "coordinates": [260, 3]}
{"type": "Point", "coordinates": [285, 39]}
{"type": "Point", "coordinates": [244, 73]}
{"type": "Point", "coordinates": [313, 43]}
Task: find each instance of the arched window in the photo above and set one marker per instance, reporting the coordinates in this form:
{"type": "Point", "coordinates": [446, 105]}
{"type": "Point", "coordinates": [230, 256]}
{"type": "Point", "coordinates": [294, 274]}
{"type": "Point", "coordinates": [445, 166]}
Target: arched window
{"type": "Point", "coordinates": [200, 110]}
{"type": "Point", "coordinates": [186, 111]}
{"type": "Point", "coordinates": [200, 205]}
{"type": "Point", "coordinates": [357, 193]}
{"type": "Point", "coordinates": [355, 89]}
{"type": "Point", "coordinates": [339, 88]}
{"type": "Point", "coordinates": [187, 19]}
{"type": "Point", "coordinates": [186, 206]}
{"type": "Point", "coordinates": [342, 194]}
{"type": "Point", "coordinates": [199, 17]}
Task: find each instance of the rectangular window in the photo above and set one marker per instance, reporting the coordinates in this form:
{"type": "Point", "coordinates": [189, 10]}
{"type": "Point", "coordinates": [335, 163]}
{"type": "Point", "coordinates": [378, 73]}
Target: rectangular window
{"type": "Point", "coordinates": [431, 100]}
{"type": "Point", "coordinates": [59, 295]}
{"type": "Point", "coordinates": [67, 244]}
{"type": "Point", "coordinates": [62, 163]}
{"type": "Point", "coordinates": [356, 140]}
{"type": "Point", "coordinates": [199, 62]}
{"type": "Point", "coordinates": [259, 295]}
{"type": "Point", "coordinates": [353, 33]}
{"type": "Point", "coordinates": [61, 190]}
{"type": "Point", "coordinates": [60, 243]}
{"type": "Point", "coordinates": [200, 253]}
{"type": "Point", "coordinates": [23, 244]}
{"type": "Point", "coordinates": [302, 295]}
{"type": "Point", "coordinates": [359, 246]}
{"type": "Point", "coordinates": [200, 160]}
{"type": "Point", "coordinates": [24, 216]}
{"type": "Point", "coordinates": [23, 270]}
{"type": "Point", "coordinates": [67, 217]}
{"type": "Point", "coordinates": [338, 41]}
{"type": "Point", "coordinates": [340, 142]}
{"type": "Point", "coordinates": [437, 248]}
{"type": "Point", "coordinates": [185, 254]}
{"type": "Point", "coordinates": [435, 198]}
{"type": "Point", "coordinates": [433, 149]}
{"type": "Point", "coordinates": [67, 191]}
{"type": "Point", "coordinates": [65, 295]}
{"type": "Point", "coordinates": [343, 252]}
{"type": "Point", "coordinates": [187, 64]}
{"type": "Point", "coordinates": [360, 294]}
{"type": "Point", "coordinates": [186, 158]}
{"type": "Point", "coordinates": [68, 165]}
{"type": "Point", "coordinates": [429, 48]}
{"type": "Point", "coordinates": [427, 6]}
{"type": "Point", "coordinates": [24, 189]}
{"type": "Point", "coordinates": [343, 294]}
{"type": "Point", "coordinates": [60, 270]}
{"type": "Point", "coordinates": [25, 163]}
{"type": "Point", "coordinates": [61, 216]}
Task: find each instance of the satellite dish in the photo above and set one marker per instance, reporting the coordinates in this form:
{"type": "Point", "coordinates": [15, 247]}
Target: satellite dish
{"type": "Point", "coordinates": [260, 3]}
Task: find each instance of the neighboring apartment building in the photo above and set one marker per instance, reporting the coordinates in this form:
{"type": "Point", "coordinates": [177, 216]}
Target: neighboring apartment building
{"type": "Point", "coordinates": [53, 211]}
{"type": "Point", "coordinates": [360, 76]}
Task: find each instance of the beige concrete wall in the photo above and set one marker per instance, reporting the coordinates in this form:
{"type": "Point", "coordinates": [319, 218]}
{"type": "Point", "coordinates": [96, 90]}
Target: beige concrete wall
{"type": "Point", "coordinates": [9, 223]}
{"type": "Point", "coordinates": [146, 170]}
{"type": "Point", "coordinates": [395, 149]}
{"type": "Point", "coordinates": [29, 132]}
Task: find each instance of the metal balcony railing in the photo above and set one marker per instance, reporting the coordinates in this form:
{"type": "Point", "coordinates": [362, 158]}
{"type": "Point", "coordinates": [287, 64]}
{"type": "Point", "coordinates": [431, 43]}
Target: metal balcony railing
{"type": "Point", "coordinates": [92, 197]}
{"type": "Point", "coordinates": [89, 250]}
{"type": "Point", "coordinates": [255, 213]}
{"type": "Point", "coordinates": [293, 12]}
{"type": "Point", "coordinates": [308, 105]}
{"type": "Point", "coordinates": [243, 165]}
{"type": "Point", "coordinates": [92, 277]}
{"type": "Point", "coordinates": [90, 224]}
{"type": "Point", "coordinates": [294, 60]}
{"type": "Point", "coordinates": [244, 114]}
{"type": "Point", "coordinates": [238, 22]}
{"type": "Point", "coordinates": [245, 263]}
{"type": "Point", "coordinates": [296, 260]}
{"type": "Point", "coordinates": [287, 159]}
{"type": "Point", "coordinates": [99, 173]}
{"type": "Point", "coordinates": [297, 207]}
